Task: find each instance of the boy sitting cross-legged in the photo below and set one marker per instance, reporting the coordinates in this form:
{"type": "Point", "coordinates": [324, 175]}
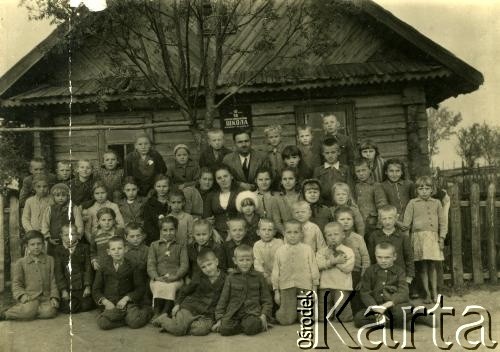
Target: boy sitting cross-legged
{"type": "Point", "coordinates": [245, 304]}
{"type": "Point", "coordinates": [118, 288]}
{"type": "Point", "coordinates": [33, 283]}
{"type": "Point", "coordinates": [193, 313]}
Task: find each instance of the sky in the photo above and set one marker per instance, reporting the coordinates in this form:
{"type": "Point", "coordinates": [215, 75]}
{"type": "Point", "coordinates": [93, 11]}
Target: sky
{"type": "Point", "coordinates": [468, 28]}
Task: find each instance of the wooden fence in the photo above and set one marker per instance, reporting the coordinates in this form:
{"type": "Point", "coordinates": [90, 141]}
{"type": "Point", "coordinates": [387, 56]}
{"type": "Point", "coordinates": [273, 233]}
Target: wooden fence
{"type": "Point", "coordinates": [473, 235]}
{"type": "Point", "coordinates": [471, 251]}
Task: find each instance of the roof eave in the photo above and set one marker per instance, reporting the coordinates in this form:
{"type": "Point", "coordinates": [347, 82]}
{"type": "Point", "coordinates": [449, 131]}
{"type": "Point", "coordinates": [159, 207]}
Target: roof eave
{"type": "Point", "coordinates": [436, 51]}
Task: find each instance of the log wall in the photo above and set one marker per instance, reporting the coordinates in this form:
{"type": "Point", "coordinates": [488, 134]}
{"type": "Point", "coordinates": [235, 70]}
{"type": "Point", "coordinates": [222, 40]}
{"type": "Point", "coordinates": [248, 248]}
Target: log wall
{"type": "Point", "coordinates": [382, 118]}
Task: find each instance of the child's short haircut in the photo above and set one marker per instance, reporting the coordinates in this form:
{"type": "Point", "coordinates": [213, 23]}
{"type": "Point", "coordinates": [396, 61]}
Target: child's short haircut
{"type": "Point", "coordinates": [204, 255]}
{"type": "Point", "coordinates": [63, 162]}
{"type": "Point", "coordinates": [203, 222]}
{"type": "Point", "coordinates": [328, 114]}
{"type": "Point", "coordinates": [359, 162]}
{"type": "Point", "coordinates": [266, 221]}
{"type": "Point", "coordinates": [342, 210]}
{"type": "Point", "coordinates": [72, 226]}
{"type": "Point", "coordinates": [206, 170]}
{"type": "Point", "coordinates": [385, 245]}
{"type": "Point", "coordinates": [333, 224]}
{"type": "Point", "coordinates": [99, 184]}
{"type": "Point", "coordinates": [330, 142]}
{"type": "Point", "coordinates": [342, 186]}
{"type": "Point", "coordinates": [237, 133]}
{"type": "Point", "coordinates": [215, 131]}
{"type": "Point", "coordinates": [141, 135]}
{"type": "Point", "coordinates": [33, 234]}
{"type": "Point", "coordinates": [387, 209]}
{"type": "Point", "coordinates": [40, 178]}
{"type": "Point", "coordinates": [83, 161]}
{"type": "Point", "coordinates": [132, 226]}
{"type": "Point", "coordinates": [116, 239]}
{"type": "Point", "coordinates": [394, 161]}
{"type": "Point", "coordinates": [168, 220]}
{"type": "Point", "coordinates": [292, 222]}
{"type": "Point", "coordinates": [304, 128]}
{"type": "Point", "coordinates": [104, 211]}
{"type": "Point", "coordinates": [110, 151]}
{"type": "Point", "coordinates": [129, 180]}
{"type": "Point", "coordinates": [161, 177]}
{"type": "Point", "coordinates": [176, 194]}
{"type": "Point", "coordinates": [37, 160]}
{"type": "Point", "coordinates": [242, 249]}
{"type": "Point", "coordinates": [301, 204]}
{"type": "Point", "coordinates": [421, 181]}
{"type": "Point", "coordinates": [236, 219]}
{"type": "Point", "coordinates": [272, 128]}
{"type": "Point", "coordinates": [290, 151]}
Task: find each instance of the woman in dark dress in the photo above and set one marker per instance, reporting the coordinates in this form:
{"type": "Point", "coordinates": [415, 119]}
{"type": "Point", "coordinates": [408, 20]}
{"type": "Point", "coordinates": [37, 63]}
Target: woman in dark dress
{"type": "Point", "coordinates": [220, 204]}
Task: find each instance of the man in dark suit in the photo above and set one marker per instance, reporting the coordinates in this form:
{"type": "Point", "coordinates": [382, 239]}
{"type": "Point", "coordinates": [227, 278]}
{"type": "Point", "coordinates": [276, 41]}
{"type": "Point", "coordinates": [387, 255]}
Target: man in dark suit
{"type": "Point", "coordinates": [244, 161]}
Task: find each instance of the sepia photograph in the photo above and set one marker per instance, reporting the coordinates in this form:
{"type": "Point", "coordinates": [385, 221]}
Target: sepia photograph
{"type": "Point", "coordinates": [249, 175]}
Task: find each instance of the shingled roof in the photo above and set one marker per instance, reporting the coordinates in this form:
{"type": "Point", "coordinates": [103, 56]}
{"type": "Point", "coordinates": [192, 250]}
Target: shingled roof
{"type": "Point", "coordinates": [362, 58]}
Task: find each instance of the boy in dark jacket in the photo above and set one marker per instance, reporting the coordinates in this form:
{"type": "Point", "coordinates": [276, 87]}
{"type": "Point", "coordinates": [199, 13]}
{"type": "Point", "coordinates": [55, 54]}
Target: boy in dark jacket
{"type": "Point", "coordinates": [245, 304]}
{"type": "Point", "coordinates": [193, 313]}
{"type": "Point", "coordinates": [74, 285]}
{"type": "Point", "coordinates": [118, 288]}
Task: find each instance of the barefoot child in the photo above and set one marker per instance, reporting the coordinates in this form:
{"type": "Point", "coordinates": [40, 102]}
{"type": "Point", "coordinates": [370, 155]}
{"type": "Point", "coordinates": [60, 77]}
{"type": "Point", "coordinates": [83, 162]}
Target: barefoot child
{"type": "Point", "coordinates": [33, 283]}
{"type": "Point", "coordinates": [245, 303]}
{"type": "Point", "coordinates": [193, 313]}
{"type": "Point", "coordinates": [335, 264]}
{"type": "Point", "coordinates": [425, 217]}
{"type": "Point", "coordinates": [118, 290]}
{"type": "Point", "coordinates": [294, 271]}
{"type": "Point", "coordinates": [73, 272]}
{"type": "Point", "coordinates": [168, 263]}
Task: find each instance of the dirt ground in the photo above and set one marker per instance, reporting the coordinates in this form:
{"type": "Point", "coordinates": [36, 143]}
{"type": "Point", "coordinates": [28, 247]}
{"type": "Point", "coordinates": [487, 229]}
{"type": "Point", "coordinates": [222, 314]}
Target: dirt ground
{"type": "Point", "coordinates": [54, 335]}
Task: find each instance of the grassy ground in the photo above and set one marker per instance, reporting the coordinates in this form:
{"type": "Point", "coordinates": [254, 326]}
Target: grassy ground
{"type": "Point", "coordinates": [55, 335]}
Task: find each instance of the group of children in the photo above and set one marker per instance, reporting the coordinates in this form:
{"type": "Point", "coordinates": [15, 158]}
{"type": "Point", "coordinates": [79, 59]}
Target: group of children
{"type": "Point", "coordinates": [135, 243]}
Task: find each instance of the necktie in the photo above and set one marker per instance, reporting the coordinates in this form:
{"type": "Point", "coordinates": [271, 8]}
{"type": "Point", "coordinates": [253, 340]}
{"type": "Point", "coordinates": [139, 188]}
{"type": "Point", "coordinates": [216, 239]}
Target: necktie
{"type": "Point", "coordinates": [245, 167]}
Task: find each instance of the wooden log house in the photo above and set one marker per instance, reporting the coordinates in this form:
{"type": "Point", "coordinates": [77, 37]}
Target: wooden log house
{"type": "Point", "coordinates": [379, 80]}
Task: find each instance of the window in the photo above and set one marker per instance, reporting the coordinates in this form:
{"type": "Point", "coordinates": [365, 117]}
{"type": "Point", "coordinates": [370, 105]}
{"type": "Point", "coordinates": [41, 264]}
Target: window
{"type": "Point", "coordinates": [311, 115]}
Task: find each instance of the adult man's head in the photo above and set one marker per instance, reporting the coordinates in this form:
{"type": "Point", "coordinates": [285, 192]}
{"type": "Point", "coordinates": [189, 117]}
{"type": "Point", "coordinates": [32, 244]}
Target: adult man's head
{"type": "Point", "coordinates": [243, 142]}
